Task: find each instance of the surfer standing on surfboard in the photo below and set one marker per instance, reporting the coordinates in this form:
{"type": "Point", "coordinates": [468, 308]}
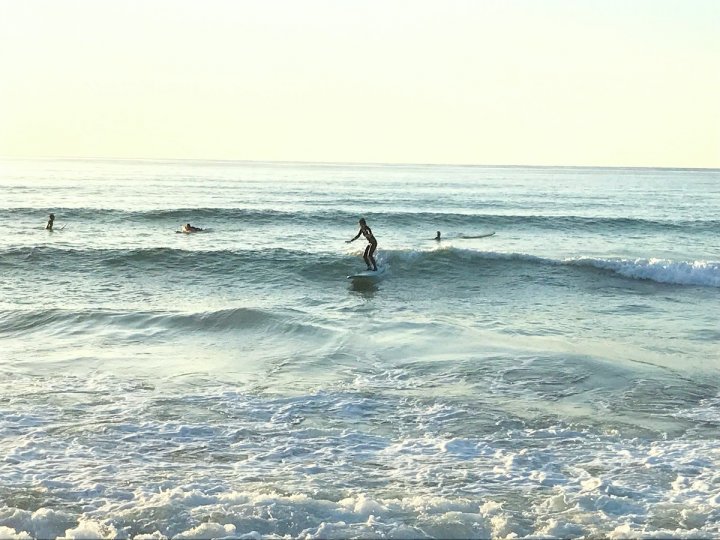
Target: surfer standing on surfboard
{"type": "Point", "coordinates": [370, 249]}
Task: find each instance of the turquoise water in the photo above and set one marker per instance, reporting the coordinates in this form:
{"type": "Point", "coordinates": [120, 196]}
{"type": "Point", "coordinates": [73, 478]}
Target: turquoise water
{"type": "Point", "coordinates": [557, 378]}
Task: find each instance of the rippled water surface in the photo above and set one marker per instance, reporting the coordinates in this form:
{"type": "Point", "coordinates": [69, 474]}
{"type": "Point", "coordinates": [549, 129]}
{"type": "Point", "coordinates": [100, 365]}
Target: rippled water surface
{"type": "Point", "coordinates": [557, 378]}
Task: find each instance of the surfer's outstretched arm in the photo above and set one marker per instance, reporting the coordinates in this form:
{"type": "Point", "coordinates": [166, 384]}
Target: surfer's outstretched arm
{"type": "Point", "coordinates": [355, 237]}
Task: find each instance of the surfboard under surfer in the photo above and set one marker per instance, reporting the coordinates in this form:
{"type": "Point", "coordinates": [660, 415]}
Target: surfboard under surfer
{"type": "Point", "coordinates": [372, 246]}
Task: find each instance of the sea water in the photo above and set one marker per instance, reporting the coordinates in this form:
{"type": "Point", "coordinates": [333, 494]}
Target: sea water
{"type": "Point", "coordinates": [556, 379]}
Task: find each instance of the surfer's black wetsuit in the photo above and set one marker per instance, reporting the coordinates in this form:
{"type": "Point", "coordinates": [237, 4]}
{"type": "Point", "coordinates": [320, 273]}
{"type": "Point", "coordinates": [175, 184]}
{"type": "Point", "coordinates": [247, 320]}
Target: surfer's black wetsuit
{"type": "Point", "coordinates": [370, 249]}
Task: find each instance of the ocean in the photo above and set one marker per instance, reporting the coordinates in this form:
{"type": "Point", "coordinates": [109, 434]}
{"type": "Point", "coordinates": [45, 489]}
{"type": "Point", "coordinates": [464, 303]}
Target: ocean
{"type": "Point", "coordinates": [556, 379]}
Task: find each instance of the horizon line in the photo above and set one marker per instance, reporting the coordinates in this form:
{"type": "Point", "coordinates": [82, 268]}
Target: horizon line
{"type": "Point", "coordinates": [352, 163]}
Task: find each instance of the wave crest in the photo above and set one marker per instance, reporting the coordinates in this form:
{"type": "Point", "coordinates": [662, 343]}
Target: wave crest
{"type": "Point", "coordinates": [694, 273]}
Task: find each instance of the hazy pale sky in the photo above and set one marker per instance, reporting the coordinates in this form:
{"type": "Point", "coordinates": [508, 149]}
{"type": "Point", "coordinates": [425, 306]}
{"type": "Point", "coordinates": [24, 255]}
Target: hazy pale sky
{"type": "Point", "coordinates": [537, 82]}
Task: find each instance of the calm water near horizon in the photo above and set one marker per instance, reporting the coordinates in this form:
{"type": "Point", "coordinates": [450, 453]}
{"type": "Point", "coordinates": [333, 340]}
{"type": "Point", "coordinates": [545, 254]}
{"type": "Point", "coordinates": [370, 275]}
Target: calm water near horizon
{"type": "Point", "coordinates": [559, 378]}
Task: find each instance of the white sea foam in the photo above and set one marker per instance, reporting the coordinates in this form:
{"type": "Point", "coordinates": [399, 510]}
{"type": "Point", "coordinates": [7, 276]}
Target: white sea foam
{"type": "Point", "coordinates": [701, 273]}
{"type": "Point", "coordinates": [532, 481]}
{"type": "Point", "coordinates": [250, 515]}
{"type": "Point", "coordinates": [577, 505]}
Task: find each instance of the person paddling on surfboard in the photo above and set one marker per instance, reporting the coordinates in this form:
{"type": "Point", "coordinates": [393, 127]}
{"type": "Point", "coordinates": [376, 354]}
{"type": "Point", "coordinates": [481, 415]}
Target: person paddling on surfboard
{"type": "Point", "coordinates": [370, 249]}
{"type": "Point", "coordinates": [189, 228]}
{"type": "Point", "coordinates": [51, 219]}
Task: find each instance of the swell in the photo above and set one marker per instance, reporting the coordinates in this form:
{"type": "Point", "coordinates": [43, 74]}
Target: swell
{"type": "Point", "coordinates": [263, 217]}
{"type": "Point", "coordinates": [145, 323]}
{"type": "Point", "coordinates": [167, 266]}
{"type": "Point", "coordinates": [675, 272]}
{"type": "Point", "coordinates": [263, 266]}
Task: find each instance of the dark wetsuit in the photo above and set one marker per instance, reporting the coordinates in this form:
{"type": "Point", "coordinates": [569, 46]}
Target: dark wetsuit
{"type": "Point", "coordinates": [370, 249]}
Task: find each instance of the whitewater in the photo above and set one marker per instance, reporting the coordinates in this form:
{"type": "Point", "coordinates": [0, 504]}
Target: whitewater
{"type": "Point", "coordinates": [558, 378]}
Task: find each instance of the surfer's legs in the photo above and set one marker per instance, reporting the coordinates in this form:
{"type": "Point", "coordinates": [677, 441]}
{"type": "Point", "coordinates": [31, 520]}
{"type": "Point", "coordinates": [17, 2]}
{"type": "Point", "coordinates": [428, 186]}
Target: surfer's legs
{"type": "Point", "coordinates": [369, 256]}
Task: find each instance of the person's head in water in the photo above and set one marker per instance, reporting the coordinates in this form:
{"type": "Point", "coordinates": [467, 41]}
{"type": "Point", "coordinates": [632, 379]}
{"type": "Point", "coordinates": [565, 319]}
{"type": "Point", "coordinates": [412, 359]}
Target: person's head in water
{"type": "Point", "coordinates": [362, 222]}
{"type": "Point", "coordinates": [438, 236]}
{"type": "Point", "coordinates": [189, 226]}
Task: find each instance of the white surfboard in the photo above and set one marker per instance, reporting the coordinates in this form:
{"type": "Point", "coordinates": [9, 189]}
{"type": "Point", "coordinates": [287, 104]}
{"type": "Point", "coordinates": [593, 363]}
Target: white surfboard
{"type": "Point", "coordinates": [369, 274]}
{"type": "Point", "coordinates": [477, 235]}
{"type": "Point", "coordinates": [192, 232]}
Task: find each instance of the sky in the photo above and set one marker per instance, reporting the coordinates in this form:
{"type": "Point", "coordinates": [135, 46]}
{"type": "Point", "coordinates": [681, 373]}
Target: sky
{"type": "Point", "coordinates": [506, 82]}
